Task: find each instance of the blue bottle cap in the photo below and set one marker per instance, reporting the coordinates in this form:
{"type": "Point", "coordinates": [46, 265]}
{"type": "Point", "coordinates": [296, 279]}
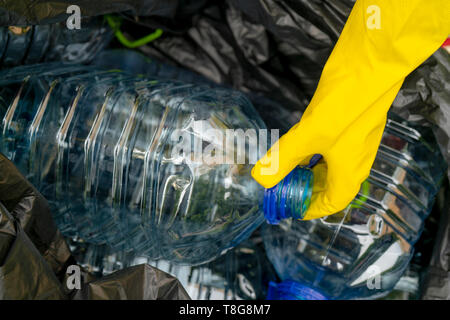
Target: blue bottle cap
{"type": "Point", "coordinates": [292, 290]}
{"type": "Point", "coordinates": [290, 198]}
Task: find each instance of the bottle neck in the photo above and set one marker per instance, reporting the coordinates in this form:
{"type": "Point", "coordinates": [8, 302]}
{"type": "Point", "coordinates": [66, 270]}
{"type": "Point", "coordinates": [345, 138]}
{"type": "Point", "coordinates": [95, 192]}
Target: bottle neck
{"type": "Point", "coordinates": [290, 198]}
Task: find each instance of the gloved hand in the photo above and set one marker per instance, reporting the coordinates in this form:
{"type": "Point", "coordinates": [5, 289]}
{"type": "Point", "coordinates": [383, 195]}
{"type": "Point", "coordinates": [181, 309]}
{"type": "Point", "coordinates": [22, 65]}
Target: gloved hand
{"type": "Point", "coordinates": [381, 43]}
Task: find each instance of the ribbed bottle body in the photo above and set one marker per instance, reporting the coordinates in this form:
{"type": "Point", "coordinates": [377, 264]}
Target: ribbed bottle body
{"type": "Point", "coordinates": [108, 150]}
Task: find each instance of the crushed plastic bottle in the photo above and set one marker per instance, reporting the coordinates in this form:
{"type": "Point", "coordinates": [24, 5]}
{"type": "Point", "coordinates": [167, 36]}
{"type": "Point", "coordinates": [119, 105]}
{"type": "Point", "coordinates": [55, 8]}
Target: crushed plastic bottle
{"type": "Point", "coordinates": [99, 146]}
{"type": "Point", "coordinates": [53, 42]}
{"type": "Point", "coordinates": [362, 251]}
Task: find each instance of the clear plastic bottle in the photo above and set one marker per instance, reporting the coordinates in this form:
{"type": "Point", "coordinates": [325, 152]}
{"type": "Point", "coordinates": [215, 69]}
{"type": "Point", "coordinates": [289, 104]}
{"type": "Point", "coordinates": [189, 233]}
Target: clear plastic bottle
{"type": "Point", "coordinates": [98, 145]}
{"type": "Point", "coordinates": [362, 251]}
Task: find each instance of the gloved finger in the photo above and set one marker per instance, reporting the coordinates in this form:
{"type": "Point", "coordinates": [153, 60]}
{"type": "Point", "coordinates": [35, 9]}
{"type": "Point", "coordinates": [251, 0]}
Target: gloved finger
{"type": "Point", "coordinates": [333, 194]}
{"type": "Point", "coordinates": [319, 176]}
{"type": "Point", "coordinates": [289, 151]}
{"type": "Point", "coordinates": [347, 168]}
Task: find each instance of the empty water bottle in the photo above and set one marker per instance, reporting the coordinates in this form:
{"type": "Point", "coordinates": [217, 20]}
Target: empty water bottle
{"type": "Point", "coordinates": [100, 146]}
{"type": "Point", "coordinates": [362, 251]}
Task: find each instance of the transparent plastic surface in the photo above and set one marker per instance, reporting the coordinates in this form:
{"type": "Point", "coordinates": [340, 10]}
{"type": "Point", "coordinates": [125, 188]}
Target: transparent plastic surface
{"type": "Point", "coordinates": [99, 146]}
{"type": "Point", "coordinates": [363, 251]}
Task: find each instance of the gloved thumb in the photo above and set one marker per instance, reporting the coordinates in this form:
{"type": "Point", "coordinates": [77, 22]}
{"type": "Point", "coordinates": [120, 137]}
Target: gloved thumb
{"type": "Point", "coordinates": [289, 151]}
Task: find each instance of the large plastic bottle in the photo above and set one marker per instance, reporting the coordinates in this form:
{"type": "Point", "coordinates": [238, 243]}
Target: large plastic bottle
{"type": "Point", "coordinates": [362, 251]}
{"type": "Point", "coordinates": [99, 146]}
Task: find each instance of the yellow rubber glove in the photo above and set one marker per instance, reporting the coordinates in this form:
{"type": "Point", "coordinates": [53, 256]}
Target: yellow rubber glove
{"type": "Point", "coordinates": [381, 43]}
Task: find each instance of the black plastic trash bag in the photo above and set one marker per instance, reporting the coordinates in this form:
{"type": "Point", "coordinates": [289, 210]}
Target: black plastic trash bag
{"type": "Point", "coordinates": [277, 48]}
{"type": "Point", "coordinates": [141, 282]}
{"type": "Point", "coordinates": [26, 12]}
{"type": "Point", "coordinates": [33, 253]}
{"type": "Point", "coordinates": [34, 256]}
